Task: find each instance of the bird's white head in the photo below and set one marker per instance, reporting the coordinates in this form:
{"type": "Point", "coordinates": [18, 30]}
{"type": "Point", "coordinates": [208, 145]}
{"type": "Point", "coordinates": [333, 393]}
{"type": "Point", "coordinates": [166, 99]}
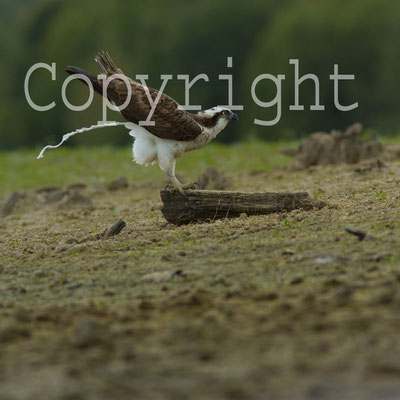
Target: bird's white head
{"type": "Point", "coordinates": [215, 119]}
{"type": "Point", "coordinates": [220, 112]}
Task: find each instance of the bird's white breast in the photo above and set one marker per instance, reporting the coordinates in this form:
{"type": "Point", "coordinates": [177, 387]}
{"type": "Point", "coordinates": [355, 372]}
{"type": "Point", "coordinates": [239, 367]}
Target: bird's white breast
{"type": "Point", "coordinates": [219, 126]}
{"type": "Point", "coordinates": [148, 148]}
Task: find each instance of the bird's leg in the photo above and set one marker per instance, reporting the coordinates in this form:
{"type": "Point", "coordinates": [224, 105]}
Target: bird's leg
{"type": "Point", "coordinates": [168, 166]}
{"type": "Point", "coordinates": [175, 183]}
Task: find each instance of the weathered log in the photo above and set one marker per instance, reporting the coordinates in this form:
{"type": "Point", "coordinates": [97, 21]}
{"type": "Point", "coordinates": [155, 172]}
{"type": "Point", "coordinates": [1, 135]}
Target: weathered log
{"type": "Point", "coordinates": [202, 205]}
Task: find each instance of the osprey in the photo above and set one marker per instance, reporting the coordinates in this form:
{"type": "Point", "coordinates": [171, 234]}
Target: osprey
{"type": "Point", "coordinates": [175, 131]}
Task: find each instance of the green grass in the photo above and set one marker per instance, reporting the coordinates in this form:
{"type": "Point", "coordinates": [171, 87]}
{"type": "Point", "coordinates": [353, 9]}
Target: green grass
{"type": "Point", "coordinates": [21, 170]}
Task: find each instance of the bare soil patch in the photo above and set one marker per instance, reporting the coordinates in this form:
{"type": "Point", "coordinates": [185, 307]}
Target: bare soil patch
{"type": "Point", "coordinates": [283, 306]}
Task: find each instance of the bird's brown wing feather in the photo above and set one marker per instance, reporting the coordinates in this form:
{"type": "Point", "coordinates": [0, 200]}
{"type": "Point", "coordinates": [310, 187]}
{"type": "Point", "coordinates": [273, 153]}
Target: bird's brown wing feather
{"type": "Point", "coordinates": [171, 121]}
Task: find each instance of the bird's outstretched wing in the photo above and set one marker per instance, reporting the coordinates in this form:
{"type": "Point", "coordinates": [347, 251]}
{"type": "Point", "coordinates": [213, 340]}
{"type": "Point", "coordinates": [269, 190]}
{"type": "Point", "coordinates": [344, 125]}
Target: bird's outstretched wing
{"type": "Point", "coordinates": [171, 120]}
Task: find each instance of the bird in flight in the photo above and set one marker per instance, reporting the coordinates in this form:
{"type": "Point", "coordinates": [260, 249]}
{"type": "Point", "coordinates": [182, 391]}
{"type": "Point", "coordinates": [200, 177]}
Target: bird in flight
{"type": "Point", "coordinates": [175, 131]}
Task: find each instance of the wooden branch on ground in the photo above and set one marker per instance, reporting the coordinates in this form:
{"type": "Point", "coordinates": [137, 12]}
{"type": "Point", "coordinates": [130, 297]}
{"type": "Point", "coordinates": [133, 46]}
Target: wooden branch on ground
{"type": "Point", "coordinates": [356, 232]}
{"type": "Point", "coordinates": [113, 230]}
{"type": "Point", "coordinates": [202, 205]}
{"type": "Point", "coordinates": [9, 204]}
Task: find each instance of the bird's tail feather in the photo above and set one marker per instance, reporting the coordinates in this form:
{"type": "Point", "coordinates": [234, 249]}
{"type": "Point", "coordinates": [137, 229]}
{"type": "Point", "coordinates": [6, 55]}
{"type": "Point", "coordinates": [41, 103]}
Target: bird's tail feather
{"type": "Point", "coordinates": [68, 135]}
{"type": "Point", "coordinates": [106, 63]}
{"type": "Point", "coordinates": [75, 70]}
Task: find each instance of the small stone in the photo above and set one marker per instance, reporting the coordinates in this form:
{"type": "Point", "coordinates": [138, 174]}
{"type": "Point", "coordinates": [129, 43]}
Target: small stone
{"type": "Point", "coordinates": [75, 285]}
{"type": "Point", "coordinates": [146, 305]}
{"type": "Point", "coordinates": [297, 280]}
{"type": "Point", "coordinates": [21, 314]}
{"type": "Point", "coordinates": [283, 307]}
{"type": "Point", "coordinates": [40, 274]}
{"type": "Point", "coordinates": [326, 259]}
{"type": "Point", "coordinates": [268, 296]}
{"type": "Point", "coordinates": [13, 331]}
{"type": "Point", "coordinates": [61, 247]}
{"type": "Point", "coordinates": [76, 186]}
{"type": "Point", "coordinates": [332, 282]}
{"type": "Point", "coordinates": [342, 295]}
{"type": "Point", "coordinates": [158, 277]}
{"type": "Point", "coordinates": [389, 366]}
{"type": "Point", "coordinates": [309, 298]}
{"type": "Point", "coordinates": [343, 291]}
{"type": "Point", "coordinates": [383, 297]}
{"type": "Point", "coordinates": [47, 189]}
{"type": "Point", "coordinates": [380, 256]}
{"type": "Point", "coordinates": [287, 252]}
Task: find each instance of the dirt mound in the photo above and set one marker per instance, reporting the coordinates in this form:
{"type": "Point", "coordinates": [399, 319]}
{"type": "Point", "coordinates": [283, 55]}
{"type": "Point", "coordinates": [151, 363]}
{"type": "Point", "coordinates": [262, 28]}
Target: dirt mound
{"type": "Point", "coordinates": [336, 147]}
{"type": "Point", "coordinates": [213, 179]}
{"type": "Point", "coordinates": [64, 198]}
{"type": "Point", "coordinates": [368, 166]}
{"type": "Point", "coordinates": [118, 184]}
{"type": "Point", "coordinates": [45, 197]}
{"type": "Point", "coordinates": [392, 152]}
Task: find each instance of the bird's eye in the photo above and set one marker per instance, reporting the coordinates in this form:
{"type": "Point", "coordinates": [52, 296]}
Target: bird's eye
{"type": "Point", "coordinates": [224, 113]}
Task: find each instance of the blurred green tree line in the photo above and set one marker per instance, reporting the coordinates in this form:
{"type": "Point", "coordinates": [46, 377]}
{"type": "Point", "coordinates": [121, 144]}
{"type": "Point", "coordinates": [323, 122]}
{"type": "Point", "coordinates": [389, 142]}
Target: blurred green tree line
{"type": "Point", "coordinates": [192, 37]}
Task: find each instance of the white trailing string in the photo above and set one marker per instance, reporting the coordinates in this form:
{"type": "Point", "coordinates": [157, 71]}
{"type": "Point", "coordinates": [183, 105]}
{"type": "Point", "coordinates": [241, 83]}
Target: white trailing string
{"type": "Point", "coordinates": [68, 135]}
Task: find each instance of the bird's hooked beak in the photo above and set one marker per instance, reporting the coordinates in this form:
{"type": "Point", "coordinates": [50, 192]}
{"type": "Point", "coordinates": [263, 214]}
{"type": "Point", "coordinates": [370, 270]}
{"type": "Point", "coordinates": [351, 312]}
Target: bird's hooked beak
{"type": "Point", "coordinates": [233, 116]}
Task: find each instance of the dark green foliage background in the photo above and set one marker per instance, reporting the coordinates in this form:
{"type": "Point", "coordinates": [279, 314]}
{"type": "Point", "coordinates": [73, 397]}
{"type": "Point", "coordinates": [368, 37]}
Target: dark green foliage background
{"type": "Point", "coordinates": [192, 37]}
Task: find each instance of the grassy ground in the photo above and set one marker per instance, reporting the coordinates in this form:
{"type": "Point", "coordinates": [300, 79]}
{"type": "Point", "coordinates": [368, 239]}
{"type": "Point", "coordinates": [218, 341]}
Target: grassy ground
{"type": "Point", "coordinates": [284, 306]}
{"type": "Point", "coordinates": [21, 170]}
